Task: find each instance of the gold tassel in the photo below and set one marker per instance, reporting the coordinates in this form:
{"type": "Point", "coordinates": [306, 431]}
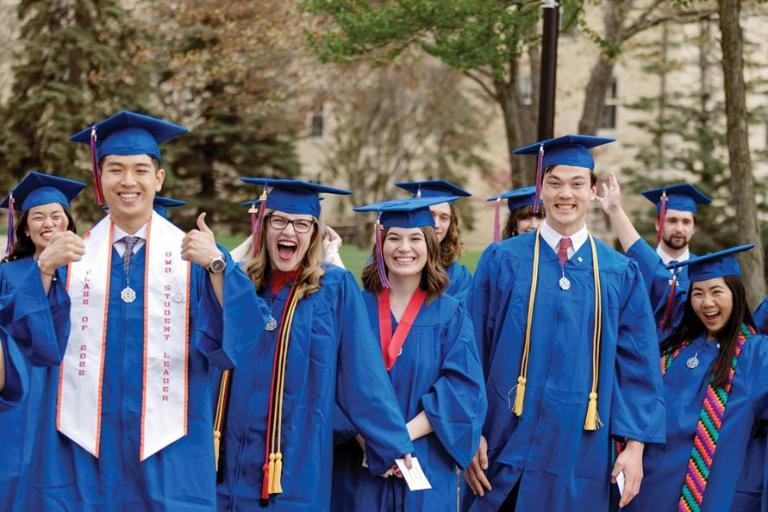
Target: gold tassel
{"type": "Point", "coordinates": [216, 446]}
{"type": "Point", "coordinates": [592, 421]}
{"type": "Point", "coordinates": [277, 486]}
{"type": "Point", "coordinates": [519, 396]}
{"type": "Point", "coordinates": [271, 473]}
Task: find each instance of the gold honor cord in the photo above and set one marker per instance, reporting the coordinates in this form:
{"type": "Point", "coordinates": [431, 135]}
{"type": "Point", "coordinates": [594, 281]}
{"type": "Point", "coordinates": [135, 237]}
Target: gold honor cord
{"type": "Point", "coordinates": [275, 470]}
{"type": "Point", "coordinates": [221, 413]}
{"type": "Point", "coordinates": [592, 421]}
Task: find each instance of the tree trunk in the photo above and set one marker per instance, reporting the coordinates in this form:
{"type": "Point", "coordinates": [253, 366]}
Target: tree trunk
{"type": "Point", "coordinates": [739, 160]}
{"type": "Point", "coordinates": [520, 129]}
{"type": "Point", "coordinates": [594, 99]}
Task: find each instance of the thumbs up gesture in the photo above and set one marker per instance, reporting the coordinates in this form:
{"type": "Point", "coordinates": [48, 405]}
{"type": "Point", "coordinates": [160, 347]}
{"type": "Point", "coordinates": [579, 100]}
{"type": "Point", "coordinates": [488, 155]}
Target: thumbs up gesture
{"type": "Point", "coordinates": [64, 248]}
{"type": "Point", "coordinates": [199, 245]}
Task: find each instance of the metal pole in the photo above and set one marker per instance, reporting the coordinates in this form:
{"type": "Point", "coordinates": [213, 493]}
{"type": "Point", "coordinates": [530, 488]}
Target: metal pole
{"type": "Point", "coordinates": [547, 84]}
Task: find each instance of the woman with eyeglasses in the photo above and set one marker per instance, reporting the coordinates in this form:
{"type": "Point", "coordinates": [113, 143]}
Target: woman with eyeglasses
{"type": "Point", "coordinates": [275, 410]}
{"type": "Point", "coordinates": [715, 369]}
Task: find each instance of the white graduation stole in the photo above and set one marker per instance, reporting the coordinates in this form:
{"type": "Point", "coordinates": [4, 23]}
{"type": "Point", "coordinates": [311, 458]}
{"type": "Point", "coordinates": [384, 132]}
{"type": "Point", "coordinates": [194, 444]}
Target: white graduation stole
{"type": "Point", "coordinates": [166, 339]}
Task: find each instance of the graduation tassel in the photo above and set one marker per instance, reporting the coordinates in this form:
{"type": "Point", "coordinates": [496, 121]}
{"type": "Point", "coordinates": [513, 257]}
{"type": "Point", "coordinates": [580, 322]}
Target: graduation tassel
{"type": "Point", "coordinates": [95, 169]}
{"type": "Point", "coordinates": [221, 413]}
{"type": "Point", "coordinates": [257, 221]}
{"type": "Point", "coordinates": [592, 420]}
{"type": "Point", "coordinates": [380, 255]}
{"type": "Point", "coordinates": [523, 377]}
{"type": "Point", "coordinates": [539, 177]}
{"type": "Point", "coordinates": [670, 303]}
{"type": "Point", "coordinates": [497, 221]}
{"type": "Point", "coordinates": [10, 234]}
{"type": "Point", "coordinates": [662, 216]}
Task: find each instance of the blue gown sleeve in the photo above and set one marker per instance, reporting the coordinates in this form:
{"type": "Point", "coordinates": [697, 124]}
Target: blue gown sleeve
{"type": "Point", "coordinates": [482, 304]}
{"type": "Point", "coordinates": [460, 284]}
{"type": "Point", "coordinates": [761, 317]}
{"type": "Point", "coordinates": [637, 408]}
{"type": "Point", "coordinates": [40, 324]}
{"type": "Point", "coordinates": [363, 391]}
{"type": "Point", "coordinates": [16, 378]}
{"type": "Point", "coordinates": [226, 333]}
{"type": "Point", "coordinates": [456, 403]}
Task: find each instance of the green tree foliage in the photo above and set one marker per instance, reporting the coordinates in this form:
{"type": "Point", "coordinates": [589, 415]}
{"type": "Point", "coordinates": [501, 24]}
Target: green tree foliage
{"type": "Point", "coordinates": [687, 130]}
{"type": "Point", "coordinates": [227, 70]}
{"type": "Point", "coordinates": [77, 62]}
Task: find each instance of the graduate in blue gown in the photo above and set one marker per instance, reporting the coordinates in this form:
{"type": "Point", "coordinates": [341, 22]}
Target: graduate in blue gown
{"type": "Point", "coordinates": [429, 348]}
{"type": "Point", "coordinates": [276, 411]}
{"type": "Point", "coordinates": [676, 207]}
{"type": "Point", "coordinates": [704, 401]}
{"type": "Point", "coordinates": [580, 372]}
{"type": "Point", "coordinates": [447, 230]}
{"type": "Point", "coordinates": [152, 448]}
{"type": "Point", "coordinates": [44, 204]}
{"type": "Point", "coordinates": [522, 218]}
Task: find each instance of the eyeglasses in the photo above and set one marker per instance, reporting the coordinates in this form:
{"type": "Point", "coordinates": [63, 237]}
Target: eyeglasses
{"type": "Point", "coordinates": [300, 226]}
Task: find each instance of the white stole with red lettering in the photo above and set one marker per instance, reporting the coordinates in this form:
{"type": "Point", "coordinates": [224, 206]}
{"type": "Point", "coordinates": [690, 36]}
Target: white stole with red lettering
{"type": "Point", "coordinates": [166, 339]}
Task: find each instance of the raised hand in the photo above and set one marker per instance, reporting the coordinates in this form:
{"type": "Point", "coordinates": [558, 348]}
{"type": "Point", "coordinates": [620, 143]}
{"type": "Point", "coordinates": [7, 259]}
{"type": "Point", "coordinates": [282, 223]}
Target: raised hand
{"type": "Point", "coordinates": [199, 245]}
{"type": "Point", "coordinates": [610, 199]}
{"type": "Point", "coordinates": [64, 248]}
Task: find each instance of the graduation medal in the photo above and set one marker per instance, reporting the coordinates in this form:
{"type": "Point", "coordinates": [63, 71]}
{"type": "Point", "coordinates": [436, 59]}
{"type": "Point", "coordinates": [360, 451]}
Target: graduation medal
{"type": "Point", "coordinates": [271, 324]}
{"type": "Point", "coordinates": [128, 295]}
{"type": "Point", "coordinates": [564, 283]}
{"type": "Point", "coordinates": [692, 362]}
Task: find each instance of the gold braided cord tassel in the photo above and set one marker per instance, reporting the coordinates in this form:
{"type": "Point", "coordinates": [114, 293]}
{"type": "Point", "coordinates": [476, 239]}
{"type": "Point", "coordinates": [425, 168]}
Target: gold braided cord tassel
{"type": "Point", "coordinates": [519, 396]}
{"type": "Point", "coordinates": [523, 377]}
{"type": "Point", "coordinates": [271, 474]}
{"type": "Point", "coordinates": [221, 411]}
{"type": "Point", "coordinates": [277, 486]}
{"type": "Point", "coordinates": [592, 420]}
{"type": "Point", "coordinates": [216, 447]}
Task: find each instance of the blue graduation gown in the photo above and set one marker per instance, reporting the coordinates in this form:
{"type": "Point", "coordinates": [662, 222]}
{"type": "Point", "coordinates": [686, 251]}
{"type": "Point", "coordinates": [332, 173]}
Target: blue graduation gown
{"type": "Point", "coordinates": [181, 476]}
{"type": "Point", "coordinates": [760, 316]}
{"type": "Point", "coordinates": [332, 358]}
{"type": "Point", "coordinates": [437, 372]}
{"type": "Point", "coordinates": [657, 280]}
{"type": "Point", "coordinates": [460, 281]}
{"type": "Point", "coordinates": [559, 466]}
{"type": "Point", "coordinates": [684, 389]}
{"type": "Point", "coordinates": [17, 426]}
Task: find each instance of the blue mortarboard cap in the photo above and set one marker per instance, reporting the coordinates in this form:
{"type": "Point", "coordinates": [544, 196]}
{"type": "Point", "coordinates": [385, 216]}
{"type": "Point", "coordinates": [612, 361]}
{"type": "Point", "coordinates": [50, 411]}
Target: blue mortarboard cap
{"type": "Point", "coordinates": [129, 133]}
{"type": "Point", "coordinates": [566, 150]}
{"type": "Point", "coordinates": [683, 196]}
{"type": "Point", "coordinates": [517, 198]}
{"type": "Point", "coordinates": [37, 188]}
{"type": "Point", "coordinates": [432, 188]}
{"type": "Point", "coordinates": [161, 204]}
{"type": "Point", "coordinates": [413, 212]}
{"type": "Point", "coordinates": [712, 265]}
{"type": "Point", "coordinates": [294, 196]}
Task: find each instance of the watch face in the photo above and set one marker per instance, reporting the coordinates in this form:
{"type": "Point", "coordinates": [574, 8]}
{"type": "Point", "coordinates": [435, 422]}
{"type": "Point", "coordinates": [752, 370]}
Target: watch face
{"type": "Point", "coordinates": [217, 265]}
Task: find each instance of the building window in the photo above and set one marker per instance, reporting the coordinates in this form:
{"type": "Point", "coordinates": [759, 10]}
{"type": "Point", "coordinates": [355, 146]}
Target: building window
{"type": "Point", "coordinates": [611, 107]}
{"type": "Point", "coordinates": [525, 88]}
{"type": "Point", "coordinates": [316, 123]}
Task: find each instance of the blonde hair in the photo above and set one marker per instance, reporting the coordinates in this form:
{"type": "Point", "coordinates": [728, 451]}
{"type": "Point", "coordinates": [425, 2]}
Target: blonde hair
{"type": "Point", "coordinates": [434, 280]}
{"type": "Point", "coordinates": [258, 268]}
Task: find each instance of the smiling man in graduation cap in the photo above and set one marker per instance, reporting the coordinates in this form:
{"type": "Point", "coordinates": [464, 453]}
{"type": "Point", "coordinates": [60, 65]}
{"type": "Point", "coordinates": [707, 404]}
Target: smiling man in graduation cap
{"type": "Point", "coordinates": [676, 207]}
{"type": "Point", "coordinates": [569, 350]}
{"type": "Point", "coordinates": [131, 333]}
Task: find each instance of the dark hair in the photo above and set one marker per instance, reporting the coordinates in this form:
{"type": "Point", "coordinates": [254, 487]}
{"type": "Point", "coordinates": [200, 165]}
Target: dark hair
{"type": "Point", "coordinates": [592, 175]}
{"type": "Point", "coordinates": [434, 280]}
{"type": "Point", "coordinates": [451, 246]}
{"type": "Point", "coordinates": [692, 327]}
{"type": "Point", "coordinates": [23, 245]}
{"type": "Point", "coordinates": [518, 214]}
